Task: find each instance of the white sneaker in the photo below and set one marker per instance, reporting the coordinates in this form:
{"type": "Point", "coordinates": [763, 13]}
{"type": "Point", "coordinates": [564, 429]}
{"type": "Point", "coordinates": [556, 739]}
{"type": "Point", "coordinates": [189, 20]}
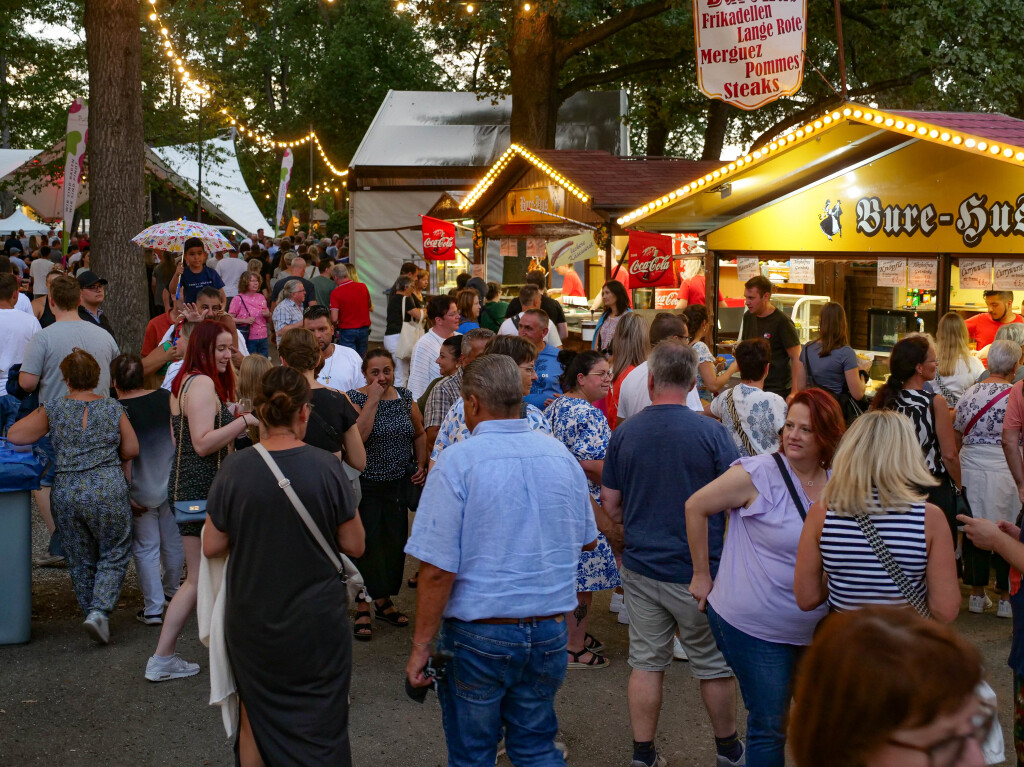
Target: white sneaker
{"type": "Point", "coordinates": [659, 761]}
{"type": "Point", "coordinates": [173, 667]}
{"type": "Point", "coordinates": [678, 653]}
{"type": "Point", "coordinates": [1004, 610]}
{"type": "Point", "coordinates": [623, 616]}
{"type": "Point", "coordinates": [979, 604]}
{"type": "Point", "coordinates": [98, 627]}
{"type": "Point", "coordinates": [616, 604]}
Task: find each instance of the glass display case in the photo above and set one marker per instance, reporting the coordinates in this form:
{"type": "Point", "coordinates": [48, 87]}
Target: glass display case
{"type": "Point", "coordinates": [803, 310]}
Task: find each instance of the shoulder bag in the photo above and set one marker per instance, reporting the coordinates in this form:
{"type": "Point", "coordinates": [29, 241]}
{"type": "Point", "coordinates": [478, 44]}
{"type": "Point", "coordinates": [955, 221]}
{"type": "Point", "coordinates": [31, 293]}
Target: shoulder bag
{"type": "Point", "coordinates": [951, 399]}
{"type": "Point", "coordinates": [242, 327]}
{"type": "Point", "coordinates": [977, 416]}
{"type": "Point", "coordinates": [189, 511]}
{"type": "Point", "coordinates": [410, 333]}
{"type": "Point", "coordinates": [892, 567]}
{"type": "Point", "coordinates": [738, 426]}
{"type": "Point", "coordinates": [850, 408]}
{"type": "Point", "coordinates": [961, 506]}
{"type": "Point", "coordinates": [790, 486]}
{"type": "Point", "coordinates": [347, 571]}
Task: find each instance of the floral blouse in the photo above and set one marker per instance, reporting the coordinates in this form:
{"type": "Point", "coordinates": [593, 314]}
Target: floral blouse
{"type": "Point", "coordinates": [583, 429]}
{"type": "Point", "coordinates": [761, 415]}
{"type": "Point", "coordinates": [989, 428]}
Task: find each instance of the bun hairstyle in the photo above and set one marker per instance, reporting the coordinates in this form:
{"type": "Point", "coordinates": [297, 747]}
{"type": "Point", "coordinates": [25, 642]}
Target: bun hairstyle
{"type": "Point", "coordinates": [281, 394]}
{"type": "Point", "coordinates": [576, 365]}
{"type": "Point", "coordinates": [906, 356]}
{"type": "Point", "coordinates": [374, 353]}
{"type": "Point", "coordinates": [299, 349]}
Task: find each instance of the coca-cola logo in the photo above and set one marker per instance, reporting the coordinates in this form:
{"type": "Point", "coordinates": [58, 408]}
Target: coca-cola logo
{"type": "Point", "coordinates": [438, 241]}
{"type": "Point", "coordinates": [650, 265]}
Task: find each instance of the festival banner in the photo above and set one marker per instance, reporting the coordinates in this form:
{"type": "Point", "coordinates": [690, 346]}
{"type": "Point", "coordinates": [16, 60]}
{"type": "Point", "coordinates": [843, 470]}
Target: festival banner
{"type": "Point", "coordinates": [282, 188]}
{"type": "Point", "coordinates": [749, 55]}
{"type": "Point", "coordinates": [1009, 275]}
{"type": "Point", "coordinates": [976, 273]}
{"type": "Point", "coordinates": [438, 239]}
{"type": "Point", "coordinates": [923, 274]}
{"type": "Point", "coordinates": [801, 271]}
{"type": "Point", "coordinates": [74, 156]}
{"type": "Point", "coordinates": [581, 247]}
{"type": "Point", "coordinates": [747, 267]}
{"type": "Point", "coordinates": [650, 260]}
{"type": "Point", "coordinates": [892, 272]}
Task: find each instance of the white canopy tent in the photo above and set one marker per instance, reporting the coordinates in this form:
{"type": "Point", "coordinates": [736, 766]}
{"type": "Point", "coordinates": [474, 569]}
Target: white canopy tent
{"type": "Point", "coordinates": [20, 222]}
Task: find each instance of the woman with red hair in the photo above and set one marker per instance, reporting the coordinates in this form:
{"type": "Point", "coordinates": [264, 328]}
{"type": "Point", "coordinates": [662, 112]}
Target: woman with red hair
{"type": "Point", "coordinates": [754, 616]}
{"type": "Point", "coordinates": [203, 430]}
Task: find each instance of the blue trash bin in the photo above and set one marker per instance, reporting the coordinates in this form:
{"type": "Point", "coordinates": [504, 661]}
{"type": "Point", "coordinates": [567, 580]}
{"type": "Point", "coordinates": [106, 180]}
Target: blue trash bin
{"type": "Point", "coordinates": [20, 470]}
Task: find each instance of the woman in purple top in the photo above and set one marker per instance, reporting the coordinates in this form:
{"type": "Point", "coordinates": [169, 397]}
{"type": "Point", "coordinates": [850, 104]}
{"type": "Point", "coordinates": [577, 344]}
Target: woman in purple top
{"type": "Point", "coordinates": [751, 608]}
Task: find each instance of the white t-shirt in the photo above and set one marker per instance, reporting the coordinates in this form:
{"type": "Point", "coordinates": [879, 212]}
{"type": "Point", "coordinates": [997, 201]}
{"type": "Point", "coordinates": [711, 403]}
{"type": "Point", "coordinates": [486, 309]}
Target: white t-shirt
{"type": "Point", "coordinates": [634, 397]}
{"type": "Point", "coordinates": [343, 370]}
{"type": "Point", "coordinates": [24, 305]}
{"type": "Point", "coordinates": [39, 269]}
{"type": "Point", "coordinates": [964, 376]}
{"type": "Point", "coordinates": [16, 330]}
{"type": "Point", "coordinates": [508, 328]}
{"type": "Point", "coordinates": [423, 367]}
{"type": "Point", "coordinates": [230, 270]}
{"type": "Point", "coordinates": [242, 348]}
{"type": "Point", "coordinates": [172, 372]}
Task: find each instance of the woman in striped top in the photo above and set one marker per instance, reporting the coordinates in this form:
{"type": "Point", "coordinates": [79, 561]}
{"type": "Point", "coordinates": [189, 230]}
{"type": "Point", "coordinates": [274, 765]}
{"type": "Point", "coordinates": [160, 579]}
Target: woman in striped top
{"type": "Point", "coordinates": [876, 474]}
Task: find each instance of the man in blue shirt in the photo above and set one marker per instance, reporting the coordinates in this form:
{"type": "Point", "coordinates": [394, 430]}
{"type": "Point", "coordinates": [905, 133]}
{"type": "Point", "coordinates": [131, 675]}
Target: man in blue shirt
{"type": "Point", "coordinates": [194, 274]}
{"type": "Point", "coordinates": [533, 326]}
{"type": "Point", "coordinates": [655, 461]}
{"type": "Point", "coordinates": [499, 531]}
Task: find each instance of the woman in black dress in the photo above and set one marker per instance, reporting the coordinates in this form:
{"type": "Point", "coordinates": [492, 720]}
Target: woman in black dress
{"type": "Point", "coordinates": [286, 619]}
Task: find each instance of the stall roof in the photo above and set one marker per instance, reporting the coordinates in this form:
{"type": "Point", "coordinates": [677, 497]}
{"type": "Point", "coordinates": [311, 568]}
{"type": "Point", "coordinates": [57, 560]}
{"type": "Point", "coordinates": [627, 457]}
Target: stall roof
{"type": "Point", "coordinates": [823, 147]}
{"type": "Point", "coordinates": [606, 182]}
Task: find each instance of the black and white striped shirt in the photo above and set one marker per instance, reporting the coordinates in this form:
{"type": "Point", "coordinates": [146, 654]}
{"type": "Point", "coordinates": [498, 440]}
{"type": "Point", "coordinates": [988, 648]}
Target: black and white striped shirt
{"type": "Point", "coordinates": [855, 575]}
{"type": "Point", "coordinates": [917, 406]}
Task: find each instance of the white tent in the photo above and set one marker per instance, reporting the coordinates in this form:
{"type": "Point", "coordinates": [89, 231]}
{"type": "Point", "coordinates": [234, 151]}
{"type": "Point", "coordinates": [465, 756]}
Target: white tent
{"type": "Point", "coordinates": [20, 222]}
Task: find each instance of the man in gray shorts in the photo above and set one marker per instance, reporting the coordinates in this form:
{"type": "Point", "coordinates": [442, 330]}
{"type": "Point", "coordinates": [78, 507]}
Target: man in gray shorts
{"type": "Point", "coordinates": [668, 440]}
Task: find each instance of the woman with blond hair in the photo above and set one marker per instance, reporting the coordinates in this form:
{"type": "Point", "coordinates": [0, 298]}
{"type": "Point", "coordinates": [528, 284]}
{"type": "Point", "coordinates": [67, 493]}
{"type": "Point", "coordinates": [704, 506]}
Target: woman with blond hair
{"type": "Point", "coordinates": [957, 367]}
{"type": "Point", "coordinates": [250, 373]}
{"type": "Point", "coordinates": [871, 539]}
{"type": "Point", "coordinates": [631, 344]}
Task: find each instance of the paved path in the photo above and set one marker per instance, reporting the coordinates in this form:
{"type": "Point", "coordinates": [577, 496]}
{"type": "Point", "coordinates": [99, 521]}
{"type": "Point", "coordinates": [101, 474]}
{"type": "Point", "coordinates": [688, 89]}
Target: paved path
{"type": "Point", "coordinates": [65, 701]}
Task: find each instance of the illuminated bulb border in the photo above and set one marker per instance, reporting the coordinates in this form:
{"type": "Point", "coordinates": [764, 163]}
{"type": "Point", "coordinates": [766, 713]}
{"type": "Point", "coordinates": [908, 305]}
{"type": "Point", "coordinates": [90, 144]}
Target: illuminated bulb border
{"type": "Point", "coordinates": [495, 170]}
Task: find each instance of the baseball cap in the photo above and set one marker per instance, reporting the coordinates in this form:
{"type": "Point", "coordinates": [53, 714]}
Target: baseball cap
{"type": "Point", "coordinates": [87, 279]}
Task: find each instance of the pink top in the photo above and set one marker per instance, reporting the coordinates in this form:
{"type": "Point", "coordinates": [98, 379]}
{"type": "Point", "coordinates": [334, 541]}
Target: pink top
{"type": "Point", "coordinates": [251, 305]}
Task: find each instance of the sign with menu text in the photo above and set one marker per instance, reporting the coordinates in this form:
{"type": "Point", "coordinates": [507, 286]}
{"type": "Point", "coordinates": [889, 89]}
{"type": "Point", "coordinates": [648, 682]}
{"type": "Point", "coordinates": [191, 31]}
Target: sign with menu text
{"type": "Point", "coordinates": [892, 272]}
{"type": "Point", "coordinates": [976, 273]}
{"type": "Point", "coordinates": [922, 274]}
{"type": "Point", "coordinates": [1009, 275]}
{"type": "Point", "coordinates": [747, 267]}
{"type": "Point", "coordinates": [801, 270]}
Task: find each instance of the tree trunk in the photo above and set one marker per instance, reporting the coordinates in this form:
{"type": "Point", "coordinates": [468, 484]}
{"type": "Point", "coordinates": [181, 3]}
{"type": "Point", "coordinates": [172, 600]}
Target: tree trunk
{"type": "Point", "coordinates": [714, 134]}
{"type": "Point", "coordinates": [116, 183]}
{"type": "Point", "coordinates": [657, 125]}
{"type": "Point", "coordinates": [6, 198]}
{"type": "Point", "coordinates": [534, 68]}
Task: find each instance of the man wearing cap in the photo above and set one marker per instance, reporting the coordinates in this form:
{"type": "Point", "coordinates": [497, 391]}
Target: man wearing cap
{"type": "Point", "coordinates": [194, 275]}
{"type": "Point", "coordinates": [94, 290]}
{"type": "Point", "coordinates": [231, 268]}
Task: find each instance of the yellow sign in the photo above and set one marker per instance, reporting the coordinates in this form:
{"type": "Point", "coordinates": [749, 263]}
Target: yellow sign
{"type": "Point", "coordinates": [921, 199]}
{"type": "Point", "coordinates": [531, 205]}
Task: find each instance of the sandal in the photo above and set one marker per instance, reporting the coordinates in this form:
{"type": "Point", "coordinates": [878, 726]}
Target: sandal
{"type": "Point", "coordinates": [363, 631]}
{"type": "Point", "coordinates": [596, 661]}
{"type": "Point", "coordinates": [388, 613]}
{"type": "Point", "coordinates": [414, 581]}
{"type": "Point", "coordinates": [592, 643]}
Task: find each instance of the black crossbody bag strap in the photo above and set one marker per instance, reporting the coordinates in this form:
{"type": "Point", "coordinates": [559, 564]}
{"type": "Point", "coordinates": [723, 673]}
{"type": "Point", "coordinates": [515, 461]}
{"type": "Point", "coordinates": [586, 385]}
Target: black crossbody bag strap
{"type": "Point", "coordinates": [790, 486]}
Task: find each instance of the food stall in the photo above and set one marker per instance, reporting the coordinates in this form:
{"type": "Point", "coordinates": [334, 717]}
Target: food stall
{"type": "Point", "coordinates": [529, 199]}
{"type": "Point", "coordinates": [898, 216]}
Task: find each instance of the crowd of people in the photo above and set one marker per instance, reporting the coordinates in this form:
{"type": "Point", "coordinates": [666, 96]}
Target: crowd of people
{"type": "Point", "coordinates": [795, 550]}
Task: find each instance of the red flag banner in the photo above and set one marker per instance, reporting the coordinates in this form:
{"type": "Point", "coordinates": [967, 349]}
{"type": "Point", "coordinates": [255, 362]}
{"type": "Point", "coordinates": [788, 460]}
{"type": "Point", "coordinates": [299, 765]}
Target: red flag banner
{"type": "Point", "coordinates": [650, 260]}
{"type": "Point", "coordinates": [438, 239]}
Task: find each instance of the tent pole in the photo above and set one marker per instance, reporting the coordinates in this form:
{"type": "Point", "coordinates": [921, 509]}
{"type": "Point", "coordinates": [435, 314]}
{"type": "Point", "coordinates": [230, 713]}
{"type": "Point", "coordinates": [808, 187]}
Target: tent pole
{"type": "Point", "coordinates": [199, 191]}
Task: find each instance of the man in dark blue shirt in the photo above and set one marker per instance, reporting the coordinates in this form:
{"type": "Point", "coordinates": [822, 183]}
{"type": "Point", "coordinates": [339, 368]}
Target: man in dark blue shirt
{"type": "Point", "coordinates": [655, 461]}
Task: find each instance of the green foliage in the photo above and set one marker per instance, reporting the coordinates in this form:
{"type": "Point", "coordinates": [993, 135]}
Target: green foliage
{"type": "Point", "coordinates": [337, 223]}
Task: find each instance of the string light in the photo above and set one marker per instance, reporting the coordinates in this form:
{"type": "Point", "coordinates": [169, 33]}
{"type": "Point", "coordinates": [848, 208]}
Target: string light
{"type": "Point", "coordinates": [531, 158]}
{"type": "Point", "coordinates": [932, 133]}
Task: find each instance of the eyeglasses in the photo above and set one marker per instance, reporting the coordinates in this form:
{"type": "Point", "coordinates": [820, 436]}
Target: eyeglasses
{"type": "Point", "coordinates": [948, 751]}
{"type": "Point", "coordinates": [603, 374]}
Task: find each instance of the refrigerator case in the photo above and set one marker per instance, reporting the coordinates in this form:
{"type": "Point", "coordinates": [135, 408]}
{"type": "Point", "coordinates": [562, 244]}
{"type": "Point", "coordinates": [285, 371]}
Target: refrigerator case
{"type": "Point", "coordinates": [805, 311]}
{"type": "Point", "coordinates": [887, 326]}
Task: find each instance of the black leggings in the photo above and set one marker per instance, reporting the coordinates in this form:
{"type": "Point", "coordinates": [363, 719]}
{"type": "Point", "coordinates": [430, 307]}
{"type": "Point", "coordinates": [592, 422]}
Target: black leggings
{"type": "Point", "coordinates": [977, 564]}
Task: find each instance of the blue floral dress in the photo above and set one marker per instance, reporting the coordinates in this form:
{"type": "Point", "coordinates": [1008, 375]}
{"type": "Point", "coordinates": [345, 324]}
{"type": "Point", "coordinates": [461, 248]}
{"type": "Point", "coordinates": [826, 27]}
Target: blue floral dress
{"type": "Point", "coordinates": [583, 429]}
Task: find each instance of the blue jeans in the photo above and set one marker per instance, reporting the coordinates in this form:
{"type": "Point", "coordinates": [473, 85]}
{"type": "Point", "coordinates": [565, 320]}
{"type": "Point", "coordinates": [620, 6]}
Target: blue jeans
{"type": "Point", "coordinates": [765, 673]}
{"type": "Point", "coordinates": [355, 338]}
{"type": "Point", "coordinates": [502, 676]}
{"type": "Point", "coordinates": [259, 346]}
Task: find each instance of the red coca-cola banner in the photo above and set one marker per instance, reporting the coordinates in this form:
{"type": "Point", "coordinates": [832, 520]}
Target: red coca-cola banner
{"type": "Point", "coordinates": [438, 239]}
{"type": "Point", "coordinates": [650, 261]}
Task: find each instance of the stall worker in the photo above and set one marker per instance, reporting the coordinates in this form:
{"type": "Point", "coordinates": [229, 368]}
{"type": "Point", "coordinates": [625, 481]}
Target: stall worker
{"type": "Point", "coordinates": [982, 328]}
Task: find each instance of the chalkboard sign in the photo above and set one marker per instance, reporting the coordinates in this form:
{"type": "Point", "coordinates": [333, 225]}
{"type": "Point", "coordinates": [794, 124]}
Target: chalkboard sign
{"type": "Point", "coordinates": [514, 267]}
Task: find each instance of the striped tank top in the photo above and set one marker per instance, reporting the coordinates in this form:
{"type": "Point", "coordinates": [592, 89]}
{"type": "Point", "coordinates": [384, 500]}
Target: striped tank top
{"type": "Point", "coordinates": [855, 576]}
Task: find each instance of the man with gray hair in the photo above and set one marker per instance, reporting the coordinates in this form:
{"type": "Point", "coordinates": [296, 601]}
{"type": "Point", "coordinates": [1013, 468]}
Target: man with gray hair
{"type": "Point", "coordinates": [350, 310]}
{"type": "Point", "coordinates": [296, 269]}
{"type": "Point", "coordinates": [493, 507]}
{"type": "Point", "coordinates": [667, 440]}
{"type": "Point", "coordinates": [449, 389]}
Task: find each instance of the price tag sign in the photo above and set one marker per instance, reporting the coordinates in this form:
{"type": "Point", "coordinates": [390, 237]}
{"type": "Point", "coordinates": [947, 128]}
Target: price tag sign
{"type": "Point", "coordinates": [976, 273]}
{"type": "Point", "coordinates": [892, 272]}
{"type": "Point", "coordinates": [747, 267]}
{"type": "Point", "coordinates": [923, 274]}
{"type": "Point", "coordinates": [801, 270]}
{"type": "Point", "coordinates": [1009, 275]}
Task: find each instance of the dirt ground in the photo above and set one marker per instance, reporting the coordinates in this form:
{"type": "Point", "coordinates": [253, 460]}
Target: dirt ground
{"type": "Point", "coordinates": [66, 701]}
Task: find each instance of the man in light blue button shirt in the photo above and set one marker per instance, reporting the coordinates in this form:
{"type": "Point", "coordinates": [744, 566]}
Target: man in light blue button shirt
{"type": "Point", "coordinates": [499, 531]}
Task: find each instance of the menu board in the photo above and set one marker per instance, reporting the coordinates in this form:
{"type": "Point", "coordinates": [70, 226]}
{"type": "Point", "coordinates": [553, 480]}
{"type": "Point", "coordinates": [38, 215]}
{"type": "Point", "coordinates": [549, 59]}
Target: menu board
{"type": "Point", "coordinates": [976, 273]}
{"type": "Point", "coordinates": [923, 274]}
{"type": "Point", "coordinates": [1009, 275]}
{"type": "Point", "coordinates": [801, 270]}
{"type": "Point", "coordinates": [747, 267]}
{"type": "Point", "coordinates": [892, 272]}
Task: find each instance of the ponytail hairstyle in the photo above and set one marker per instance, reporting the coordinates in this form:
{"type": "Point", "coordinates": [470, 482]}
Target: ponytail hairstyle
{"type": "Point", "coordinates": [906, 356]}
{"type": "Point", "coordinates": [281, 394]}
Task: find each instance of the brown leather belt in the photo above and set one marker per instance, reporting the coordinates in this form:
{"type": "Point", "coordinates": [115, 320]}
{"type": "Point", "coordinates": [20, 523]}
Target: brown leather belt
{"type": "Point", "coordinates": [534, 619]}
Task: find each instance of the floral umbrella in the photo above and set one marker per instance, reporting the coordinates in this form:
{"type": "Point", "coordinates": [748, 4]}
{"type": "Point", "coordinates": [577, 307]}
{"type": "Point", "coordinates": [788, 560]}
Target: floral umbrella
{"type": "Point", "coordinates": [171, 235]}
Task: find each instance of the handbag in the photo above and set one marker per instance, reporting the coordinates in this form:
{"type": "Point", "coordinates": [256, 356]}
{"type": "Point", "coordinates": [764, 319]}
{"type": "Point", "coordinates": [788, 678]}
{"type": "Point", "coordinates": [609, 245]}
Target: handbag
{"type": "Point", "coordinates": [243, 328]}
{"type": "Point", "coordinates": [410, 334]}
{"type": "Point", "coordinates": [195, 510]}
{"type": "Point", "coordinates": [848, 406]}
{"type": "Point", "coordinates": [347, 571]}
{"type": "Point", "coordinates": [21, 468]}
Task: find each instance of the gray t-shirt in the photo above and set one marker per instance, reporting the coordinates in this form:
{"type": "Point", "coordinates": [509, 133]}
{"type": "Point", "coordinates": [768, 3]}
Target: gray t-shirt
{"type": "Point", "coordinates": [52, 344]}
{"type": "Point", "coordinates": [828, 372]}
